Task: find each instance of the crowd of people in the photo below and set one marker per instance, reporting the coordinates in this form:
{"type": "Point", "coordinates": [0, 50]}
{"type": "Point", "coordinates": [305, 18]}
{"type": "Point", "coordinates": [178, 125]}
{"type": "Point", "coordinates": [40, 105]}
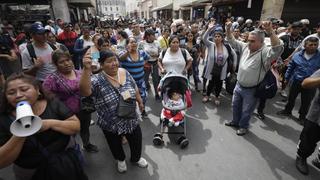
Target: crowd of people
{"type": "Point", "coordinates": [67, 72]}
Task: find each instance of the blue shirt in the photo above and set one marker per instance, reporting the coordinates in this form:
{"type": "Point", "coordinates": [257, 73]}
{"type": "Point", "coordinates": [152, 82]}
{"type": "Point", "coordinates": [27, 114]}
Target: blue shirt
{"type": "Point", "coordinates": [136, 68]}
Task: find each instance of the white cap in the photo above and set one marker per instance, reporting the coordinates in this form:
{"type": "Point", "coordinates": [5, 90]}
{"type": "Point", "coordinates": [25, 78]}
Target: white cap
{"type": "Point", "coordinates": [305, 21]}
{"type": "Point", "coordinates": [248, 21]}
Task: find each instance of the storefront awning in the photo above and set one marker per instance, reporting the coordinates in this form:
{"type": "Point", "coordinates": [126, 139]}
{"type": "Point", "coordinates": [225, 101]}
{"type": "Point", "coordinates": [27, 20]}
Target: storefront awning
{"type": "Point", "coordinates": [168, 6]}
{"type": "Point", "coordinates": [226, 2]}
{"type": "Point", "coordinates": [197, 3]}
{"type": "Point", "coordinates": [81, 3]}
{"type": "Point", "coordinates": [33, 2]}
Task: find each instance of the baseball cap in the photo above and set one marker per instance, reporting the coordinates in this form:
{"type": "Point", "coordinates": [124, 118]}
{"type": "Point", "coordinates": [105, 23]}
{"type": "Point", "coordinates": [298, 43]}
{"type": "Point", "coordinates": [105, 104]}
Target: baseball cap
{"type": "Point", "coordinates": [273, 20]}
{"type": "Point", "coordinates": [37, 28]}
{"type": "Point", "coordinates": [297, 24]}
{"type": "Point", "coordinates": [65, 25]}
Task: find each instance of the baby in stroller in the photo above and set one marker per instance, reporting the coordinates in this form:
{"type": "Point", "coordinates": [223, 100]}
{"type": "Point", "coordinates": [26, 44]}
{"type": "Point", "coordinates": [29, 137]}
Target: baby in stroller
{"type": "Point", "coordinates": [174, 102]}
{"type": "Point", "coordinates": [172, 89]}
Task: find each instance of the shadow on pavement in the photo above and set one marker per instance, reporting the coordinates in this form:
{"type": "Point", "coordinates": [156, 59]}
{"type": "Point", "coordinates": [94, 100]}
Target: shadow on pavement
{"type": "Point", "coordinates": [278, 160]}
{"type": "Point", "coordinates": [198, 139]}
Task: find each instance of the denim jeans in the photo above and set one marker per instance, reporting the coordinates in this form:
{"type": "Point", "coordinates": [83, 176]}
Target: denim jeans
{"type": "Point", "coordinates": [243, 105]}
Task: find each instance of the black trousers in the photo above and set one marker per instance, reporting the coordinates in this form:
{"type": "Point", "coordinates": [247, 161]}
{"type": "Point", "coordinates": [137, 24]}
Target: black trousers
{"type": "Point", "coordinates": [85, 119]}
{"type": "Point", "coordinates": [134, 140]}
{"type": "Point", "coordinates": [216, 84]}
{"type": "Point", "coordinates": [262, 105]}
{"type": "Point", "coordinates": [309, 138]}
{"type": "Point", "coordinates": [306, 98]}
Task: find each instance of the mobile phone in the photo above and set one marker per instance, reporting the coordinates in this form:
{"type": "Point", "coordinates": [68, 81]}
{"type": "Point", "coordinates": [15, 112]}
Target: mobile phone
{"type": "Point", "coordinates": [95, 56]}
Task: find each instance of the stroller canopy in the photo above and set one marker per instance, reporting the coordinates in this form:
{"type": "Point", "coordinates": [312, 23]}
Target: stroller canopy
{"type": "Point", "coordinates": [174, 81]}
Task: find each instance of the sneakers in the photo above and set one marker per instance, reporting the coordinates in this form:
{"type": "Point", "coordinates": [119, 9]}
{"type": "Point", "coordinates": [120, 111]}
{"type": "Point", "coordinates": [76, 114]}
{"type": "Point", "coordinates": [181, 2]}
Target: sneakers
{"type": "Point", "coordinates": [205, 99]}
{"type": "Point", "coordinates": [144, 114]}
{"type": "Point", "coordinates": [91, 148]}
{"type": "Point", "coordinates": [284, 113]}
{"type": "Point", "coordinates": [242, 131]}
{"type": "Point", "coordinates": [231, 124]}
{"type": "Point", "coordinates": [142, 163]}
{"type": "Point", "coordinates": [122, 166]}
{"type": "Point", "coordinates": [261, 115]}
{"type": "Point", "coordinates": [283, 94]}
{"type": "Point", "coordinates": [92, 122]}
{"type": "Point", "coordinates": [216, 101]}
{"type": "Point", "coordinates": [301, 165]}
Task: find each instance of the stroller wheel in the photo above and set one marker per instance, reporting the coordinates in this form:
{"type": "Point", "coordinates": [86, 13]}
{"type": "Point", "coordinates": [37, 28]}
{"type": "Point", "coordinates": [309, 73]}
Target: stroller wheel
{"type": "Point", "coordinates": [157, 139]}
{"type": "Point", "coordinates": [180, 139]}
{"type": "Point", "coordinates": [184, 143]}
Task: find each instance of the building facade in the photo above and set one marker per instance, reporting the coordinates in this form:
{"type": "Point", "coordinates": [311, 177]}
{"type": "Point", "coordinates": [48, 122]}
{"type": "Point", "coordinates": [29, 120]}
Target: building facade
{"type": "Point", "coordinates": [132, 8]}
{"type": "Point", "coordinates": [111, 8]}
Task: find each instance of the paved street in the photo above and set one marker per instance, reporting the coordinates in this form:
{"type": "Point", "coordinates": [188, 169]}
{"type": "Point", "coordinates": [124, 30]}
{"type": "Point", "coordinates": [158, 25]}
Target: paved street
{"type": "Point", "coordinates": [267, 152]}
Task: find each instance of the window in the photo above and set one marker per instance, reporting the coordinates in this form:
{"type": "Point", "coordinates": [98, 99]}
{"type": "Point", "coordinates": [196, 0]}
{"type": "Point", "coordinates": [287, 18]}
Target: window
{"type": "Point", "coordinates": [110, 8]}
{"type": "Point", "coordinates": [106, 8]}
{"type": "Point", "coordinates": [117, 8]}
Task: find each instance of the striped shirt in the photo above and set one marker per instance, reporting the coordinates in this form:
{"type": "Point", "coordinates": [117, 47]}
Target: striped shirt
{"type": "Point", "coordinates": [136, 68]}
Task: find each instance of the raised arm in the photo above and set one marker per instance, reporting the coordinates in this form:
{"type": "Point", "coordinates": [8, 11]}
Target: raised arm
{"type": "Point", "coordinates": [275, 41]}
{"type": "Point", "coordinates": [238, 45]}
{"type": "Point", "coordinates": [85, 80]}
{"type": "Point", "coordinates": [205, 36]}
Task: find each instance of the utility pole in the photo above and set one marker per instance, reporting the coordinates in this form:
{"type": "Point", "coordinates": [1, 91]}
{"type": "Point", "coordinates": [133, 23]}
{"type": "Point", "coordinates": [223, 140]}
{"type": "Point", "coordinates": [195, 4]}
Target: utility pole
{"type": "Point", "coordinates": [97, 7]}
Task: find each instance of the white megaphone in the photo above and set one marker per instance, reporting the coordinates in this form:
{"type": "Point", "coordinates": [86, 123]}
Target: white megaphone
{"type": "Point", "coordinates": [26, 122]}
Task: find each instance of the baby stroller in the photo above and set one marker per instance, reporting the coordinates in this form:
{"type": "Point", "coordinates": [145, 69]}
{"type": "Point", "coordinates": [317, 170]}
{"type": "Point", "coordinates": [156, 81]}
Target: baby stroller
{"type": "Point", "coordinates": [173, 82]}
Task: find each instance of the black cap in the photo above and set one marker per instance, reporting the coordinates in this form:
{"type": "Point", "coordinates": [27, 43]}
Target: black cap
{"type": "Point", "coordinates": [65, 25]}
{"type": "Point", "coordinates": [273, 20]}
{"type": "Point", "coordinates": [297, 24]}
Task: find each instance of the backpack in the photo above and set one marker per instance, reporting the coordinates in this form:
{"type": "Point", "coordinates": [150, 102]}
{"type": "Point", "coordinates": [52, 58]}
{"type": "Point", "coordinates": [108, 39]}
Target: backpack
{"type": "Point", "coordinates": [183, 51]}
{"type": "Point", "coordinates": [32, 53]}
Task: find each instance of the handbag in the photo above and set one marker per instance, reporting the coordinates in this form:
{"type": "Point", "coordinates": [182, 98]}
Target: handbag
{"type": "Point", "coordinates": [126, 109]}
{"type": "Point", "coordinates": [267, 88]}
{"type": "Point", "coordinates": [217, 68]}
{"type": "Point", "coordinates": [231, 82]}
{"type": "Point", "coordinates": [86, 103]}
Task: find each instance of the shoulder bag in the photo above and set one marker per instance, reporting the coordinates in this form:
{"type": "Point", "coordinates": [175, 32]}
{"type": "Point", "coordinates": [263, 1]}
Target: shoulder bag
{"type": "Point", "coordinates": [267, 88]}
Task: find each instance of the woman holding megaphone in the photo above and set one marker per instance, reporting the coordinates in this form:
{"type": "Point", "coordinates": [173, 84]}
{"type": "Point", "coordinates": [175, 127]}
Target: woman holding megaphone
{"type": "Point", "coordinates": [30, 155]}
